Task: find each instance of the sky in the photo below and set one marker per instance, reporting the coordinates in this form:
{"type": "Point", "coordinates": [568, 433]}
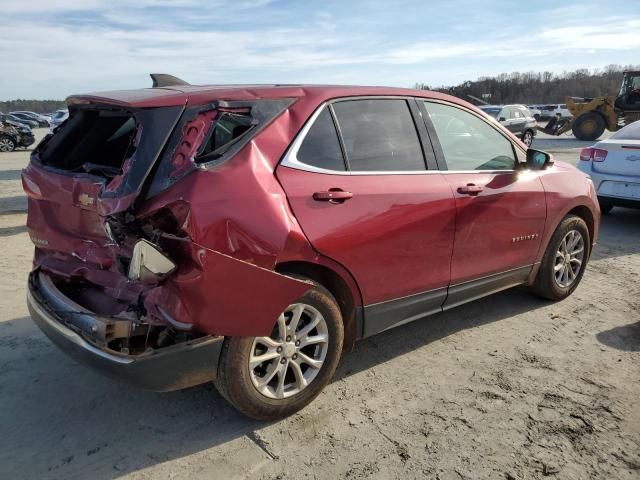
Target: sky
{"type": "Point", "coordinates": [52, 49]}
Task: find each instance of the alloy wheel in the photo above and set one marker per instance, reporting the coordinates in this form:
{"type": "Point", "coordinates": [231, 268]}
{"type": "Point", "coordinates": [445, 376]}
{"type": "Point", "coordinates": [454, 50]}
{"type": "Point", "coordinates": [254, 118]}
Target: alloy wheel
{"type": "Point", "coordinates": [569, 258]}
{"type": "Point", "coordinates": [286, 362]}
{"type": "Point", "coordinates": [6, 144]}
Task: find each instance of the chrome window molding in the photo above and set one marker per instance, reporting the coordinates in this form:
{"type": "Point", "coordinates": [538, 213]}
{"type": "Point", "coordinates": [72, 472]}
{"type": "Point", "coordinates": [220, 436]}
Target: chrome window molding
{"type": "Point", "coordinates": [290, 158]}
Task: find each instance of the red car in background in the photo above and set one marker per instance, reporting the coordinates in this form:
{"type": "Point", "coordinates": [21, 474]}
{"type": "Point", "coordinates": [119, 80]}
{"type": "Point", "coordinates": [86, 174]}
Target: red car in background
{"type": "Point", "coordinates": [250, 234]}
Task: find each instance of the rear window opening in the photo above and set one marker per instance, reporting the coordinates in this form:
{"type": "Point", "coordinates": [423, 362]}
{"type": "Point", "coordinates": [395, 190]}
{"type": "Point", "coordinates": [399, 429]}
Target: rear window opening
{"type": "Point", "coordinates": [93, 141]}
{"type": "Point", "coordinates": [228, 129]}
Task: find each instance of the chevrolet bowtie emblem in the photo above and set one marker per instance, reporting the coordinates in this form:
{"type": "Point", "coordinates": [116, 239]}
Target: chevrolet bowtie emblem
{"type": "Point", "coordinates": [85, 199]}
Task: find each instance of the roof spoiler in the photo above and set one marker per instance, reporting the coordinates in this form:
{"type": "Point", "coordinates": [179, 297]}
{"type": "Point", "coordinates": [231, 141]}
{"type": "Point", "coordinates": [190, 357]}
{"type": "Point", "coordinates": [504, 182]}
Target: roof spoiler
{"type": "Point", "coordinates": [166, 80]}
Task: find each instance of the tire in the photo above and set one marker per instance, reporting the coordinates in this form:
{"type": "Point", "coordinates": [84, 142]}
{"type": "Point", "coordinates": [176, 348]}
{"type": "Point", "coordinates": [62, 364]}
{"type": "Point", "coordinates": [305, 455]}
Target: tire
{"type": "Point", "coordinates": [588, 126]}
{"type": "Point", "coordinates": [238, 383]}
{"type": "Point", "coordinates": [7, 144]}
{"type": "Point", "coordinates": [527, 137]}
{"type": "Point", "coordinates": [546, 284]}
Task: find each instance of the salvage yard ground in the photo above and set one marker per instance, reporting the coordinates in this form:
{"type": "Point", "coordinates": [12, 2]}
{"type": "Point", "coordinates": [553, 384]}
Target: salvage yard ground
{"type": "Point", "coordinates": [506, 387]}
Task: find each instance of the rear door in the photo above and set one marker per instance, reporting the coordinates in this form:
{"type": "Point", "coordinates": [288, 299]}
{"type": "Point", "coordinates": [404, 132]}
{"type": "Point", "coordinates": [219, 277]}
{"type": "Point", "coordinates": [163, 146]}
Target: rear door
{"type": "Point", "coordinates": [501, 209]}
{"type": "Point", "coordinates": [357, 179]}
{"type": "Point", "coordinates": [505, 118]}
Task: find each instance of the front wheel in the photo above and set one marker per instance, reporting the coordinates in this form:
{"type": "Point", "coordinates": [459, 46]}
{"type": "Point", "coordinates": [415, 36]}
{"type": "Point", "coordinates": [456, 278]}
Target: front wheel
{"type": "Point", "coordinates": [7, 144]}
{"type": "Point", "coordinates": [564, 260]}
{"type": "Point", "coordinates": [268, 378]}
{"type": "Point", "coordinates": [588, 126]}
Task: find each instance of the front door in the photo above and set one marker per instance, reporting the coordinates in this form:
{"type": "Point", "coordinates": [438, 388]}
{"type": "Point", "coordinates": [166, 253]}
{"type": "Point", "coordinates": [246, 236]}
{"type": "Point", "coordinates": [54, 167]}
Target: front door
{"type": "Point", "coordinates": [501, 208]}
{"type": "Point", "coordinates": [366, 199]}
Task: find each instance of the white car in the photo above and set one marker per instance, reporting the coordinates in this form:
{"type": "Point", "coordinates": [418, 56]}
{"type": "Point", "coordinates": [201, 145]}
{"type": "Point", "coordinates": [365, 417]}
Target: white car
{"type": "Point", "coordinates": [535, 111]}
{"type": "Point", "coordinates": [57, 118]}
{"type": "Point", "coordinates": [557, 109]}
{"type": "Point", "coordinates": [614, 167]}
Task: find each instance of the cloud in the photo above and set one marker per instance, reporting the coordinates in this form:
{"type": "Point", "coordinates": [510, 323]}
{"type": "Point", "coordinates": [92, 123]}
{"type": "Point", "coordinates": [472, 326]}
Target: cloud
{"type": "Point", "coordinates": [64, 48]}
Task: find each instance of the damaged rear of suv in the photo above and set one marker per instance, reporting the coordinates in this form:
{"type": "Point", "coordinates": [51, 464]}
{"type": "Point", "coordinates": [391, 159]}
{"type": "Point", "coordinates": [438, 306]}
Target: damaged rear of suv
{"type": "Point", "coordinates": [142, 265]}
{"type": "Point", "coordinates": [249, 234]}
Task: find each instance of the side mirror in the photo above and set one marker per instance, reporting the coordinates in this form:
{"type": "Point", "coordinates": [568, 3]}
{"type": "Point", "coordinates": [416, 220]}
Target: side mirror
{"type": "Point", "coordinates": [537, 160]}
{"type": "Point", "coordinates": [502, 119]}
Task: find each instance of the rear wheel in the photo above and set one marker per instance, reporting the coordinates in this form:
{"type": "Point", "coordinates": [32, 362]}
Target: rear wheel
{"type": "Point", "coordinates": [7, 144]}
{"type": "Point", "coordinates": [269, 378]}
{"type": "Point", "coordinates": [564, 261]}
{"type": "Point", "coordinates": [588, 126]}
{"type": "Point", "coordinates": [527, 138]}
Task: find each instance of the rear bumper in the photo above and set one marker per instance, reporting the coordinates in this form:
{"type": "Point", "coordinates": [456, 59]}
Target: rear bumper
{"type": "Point", "coordinates": [170, 368]}
{"type": "Point", "coordinates": [612, 188]}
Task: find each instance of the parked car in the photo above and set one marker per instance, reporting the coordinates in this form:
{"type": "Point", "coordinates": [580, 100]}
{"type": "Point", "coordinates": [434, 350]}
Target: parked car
{"type": "Point", "coordinates": [15, 134]}
{"type": "Point", "coordinates": [535, 111]}
{"type": "Point", "coordinates": [57, 118]}
{"type": "Point", "coordinates": [41, 120]}
{"type": "Point", "coordinates": [13, 120]}
{"type": "Point", "coordinates": [9, 137]}
{"type": "Point", "coordinates": [555, 110]}
{"type": "Point", "coordinates": [249, 235]}
{"type": "Point", "coordinates": [614, 166]}
{"type": "Point", "coordinates": [26, 119]}
{"type": "Point", "coordinates": [518, 119]}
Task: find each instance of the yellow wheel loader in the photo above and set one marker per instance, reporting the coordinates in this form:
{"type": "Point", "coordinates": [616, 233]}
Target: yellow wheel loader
{"type": "Point", "coordinates": [591, 116]}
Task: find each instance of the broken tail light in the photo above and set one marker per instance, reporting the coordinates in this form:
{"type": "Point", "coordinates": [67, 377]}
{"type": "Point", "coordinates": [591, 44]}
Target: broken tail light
{"type": "Point", "coordinates": [148, 263]}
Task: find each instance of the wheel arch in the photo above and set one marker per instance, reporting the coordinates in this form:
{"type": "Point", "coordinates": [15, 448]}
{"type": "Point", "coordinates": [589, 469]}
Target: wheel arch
{"type": "Point", "coordinates": [585, 214]}
{"type": "Point", "coordinates": [350, 305]}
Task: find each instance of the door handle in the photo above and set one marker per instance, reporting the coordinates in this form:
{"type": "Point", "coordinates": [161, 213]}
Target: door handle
{"type": "Point", "coordinates": [333, 195]}
{"type": "Point", "coordinates": [470, 189]}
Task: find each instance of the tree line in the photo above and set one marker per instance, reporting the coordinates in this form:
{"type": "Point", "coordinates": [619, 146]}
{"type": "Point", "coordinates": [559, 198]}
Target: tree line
{"type": "Point", "coordinates": [515, 87]}
{"type": "Point", "coordinates": [539, 87]}
{"type": "Point", "coordinates": [38, 106]}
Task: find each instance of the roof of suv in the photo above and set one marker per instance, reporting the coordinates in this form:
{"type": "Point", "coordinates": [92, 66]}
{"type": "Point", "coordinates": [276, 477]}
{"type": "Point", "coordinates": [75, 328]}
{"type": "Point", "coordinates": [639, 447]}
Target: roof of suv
{"type": "Point", "coordinates": [200, 94]}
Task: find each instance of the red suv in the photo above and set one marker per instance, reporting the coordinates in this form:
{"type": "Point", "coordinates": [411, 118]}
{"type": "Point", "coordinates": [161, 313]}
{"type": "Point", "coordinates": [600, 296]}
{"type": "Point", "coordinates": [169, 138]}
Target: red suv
{"type": "Point", "coordinates": [250, 234]}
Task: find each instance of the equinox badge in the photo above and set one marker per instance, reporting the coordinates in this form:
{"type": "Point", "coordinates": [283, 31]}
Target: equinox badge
{"type": "Point", "coordinates": [522, 238]}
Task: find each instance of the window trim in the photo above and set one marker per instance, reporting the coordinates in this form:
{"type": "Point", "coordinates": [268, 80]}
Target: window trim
{"type": "Point", "coordinates": [305, 131]}
{"type": "Point", "coordinates": [442, 162]}
{"type": "Point", "coordinates": [290, 158]}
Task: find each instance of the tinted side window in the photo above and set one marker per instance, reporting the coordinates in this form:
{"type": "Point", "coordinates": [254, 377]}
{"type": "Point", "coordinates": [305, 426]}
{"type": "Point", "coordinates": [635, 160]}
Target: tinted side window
{"type": "Point", "coordinates": [468, 142]}
{"type": "Point", "coordinates": [379, 135]}
{"type": "Point", "coordinates": [321, 147]}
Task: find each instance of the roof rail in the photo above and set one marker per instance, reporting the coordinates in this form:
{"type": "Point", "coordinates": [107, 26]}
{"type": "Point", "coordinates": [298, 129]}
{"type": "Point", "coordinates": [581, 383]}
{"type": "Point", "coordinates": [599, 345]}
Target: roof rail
{"type": "Point", "coordinates": [166, 80]}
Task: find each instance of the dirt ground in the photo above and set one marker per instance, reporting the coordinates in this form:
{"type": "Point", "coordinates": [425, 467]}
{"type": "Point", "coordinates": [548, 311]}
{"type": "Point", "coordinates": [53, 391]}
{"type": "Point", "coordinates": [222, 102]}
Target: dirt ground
{"type": "Point", "coordinates": [509, 387]}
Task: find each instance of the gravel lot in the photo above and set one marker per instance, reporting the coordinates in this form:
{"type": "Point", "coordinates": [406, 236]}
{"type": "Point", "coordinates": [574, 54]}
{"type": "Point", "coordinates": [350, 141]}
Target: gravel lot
{"type": "Point", "coordinates": [507, 387]}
